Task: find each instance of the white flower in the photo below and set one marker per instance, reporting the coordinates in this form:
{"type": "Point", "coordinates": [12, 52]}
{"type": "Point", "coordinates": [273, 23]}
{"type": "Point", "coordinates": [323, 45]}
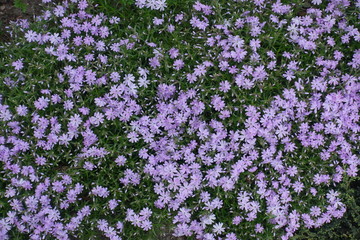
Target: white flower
{"type": "Point", "coordinates": [218, 228]}
{"type": "Point", "coordinates": [208, 220]}
{"type": "Point", "coordinates": [316, 2]}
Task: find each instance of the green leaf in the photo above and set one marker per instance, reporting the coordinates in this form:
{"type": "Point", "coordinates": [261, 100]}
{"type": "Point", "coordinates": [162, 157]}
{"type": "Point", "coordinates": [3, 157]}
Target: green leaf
{"type": "Point", "coordinates": [20, 4]}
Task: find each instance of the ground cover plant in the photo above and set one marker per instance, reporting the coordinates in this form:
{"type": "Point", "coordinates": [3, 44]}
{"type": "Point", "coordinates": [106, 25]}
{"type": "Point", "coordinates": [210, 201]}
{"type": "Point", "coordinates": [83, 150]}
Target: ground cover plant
{"type": "Point", "coordinates": [211, 119]}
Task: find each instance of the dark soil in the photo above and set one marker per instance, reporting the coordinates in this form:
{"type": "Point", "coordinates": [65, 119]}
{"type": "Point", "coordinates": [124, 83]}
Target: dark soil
{"type": "Point", "coordinates": [11, 10]}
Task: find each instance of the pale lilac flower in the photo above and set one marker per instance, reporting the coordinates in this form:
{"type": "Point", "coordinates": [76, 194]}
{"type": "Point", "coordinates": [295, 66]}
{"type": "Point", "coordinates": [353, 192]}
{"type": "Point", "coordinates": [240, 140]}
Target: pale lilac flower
{"type": "Point", "coordinates": [158, 21]}
{"type": "Point", "coordinates": [18, 64]}
{"type": "Point", "coordinates": [120, 160]}
{"type": "Point", "coordinates": [41, 103]}
{"type": "Point", "coordinates": [100, 191]}
{"type": "Point", "coordinates": [21, 110]}
{"type": "Point", "coordinates": [40, 161]}
{"type": "Point", "coordinates": [218, 228]}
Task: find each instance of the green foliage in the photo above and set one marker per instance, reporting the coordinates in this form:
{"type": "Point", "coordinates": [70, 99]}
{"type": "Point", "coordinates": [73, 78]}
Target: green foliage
{"type": "Point", "coordinates": [345, 228]}
{"type": "Point", "coordinates": [20, 4]}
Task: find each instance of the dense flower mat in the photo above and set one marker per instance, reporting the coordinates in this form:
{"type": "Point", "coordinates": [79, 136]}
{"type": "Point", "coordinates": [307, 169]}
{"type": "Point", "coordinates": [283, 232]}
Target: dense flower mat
{"type": "Point", "coordinates": [218, 119]}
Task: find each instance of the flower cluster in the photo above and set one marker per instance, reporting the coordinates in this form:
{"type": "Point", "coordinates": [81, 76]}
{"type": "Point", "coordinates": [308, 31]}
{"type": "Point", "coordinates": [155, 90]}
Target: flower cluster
{"type": "Point", "coordinates": [232, 121]}
{"type": "Point", "coordinates": [152, 4]}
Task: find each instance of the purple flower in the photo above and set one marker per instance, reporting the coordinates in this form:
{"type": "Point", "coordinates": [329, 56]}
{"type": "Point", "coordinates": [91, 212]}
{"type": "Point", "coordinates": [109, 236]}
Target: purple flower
{"type": "Point", "coordinates": [21, 110]}
{"type": "Point", "coordinates": [120, 160]}
{"type": "Point", "coordinates": [158, 21]}
{"type": "Point", "coordinates": [217, 103]}
{"type": "Point", "coordinates": [113, 203]}
{"type": "Point", "coordinates": [100, 191]}
{"type": "Point", "coordinates": [178, 64]}
{"type": "Point", "coordinates": [31, 36]}
{"type": "Point", "coordinates": [18, 65]}
{"type": "Point", "coordinates": [154, 62]}
{"type": "Point", "coordinates": [40, 161]}
{"type": "Point", "coordinates": [41, 103]}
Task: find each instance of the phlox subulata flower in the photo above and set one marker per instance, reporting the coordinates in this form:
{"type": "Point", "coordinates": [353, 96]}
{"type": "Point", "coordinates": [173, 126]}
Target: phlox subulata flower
{"type": "Point", "coordinates": [231, 121]}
